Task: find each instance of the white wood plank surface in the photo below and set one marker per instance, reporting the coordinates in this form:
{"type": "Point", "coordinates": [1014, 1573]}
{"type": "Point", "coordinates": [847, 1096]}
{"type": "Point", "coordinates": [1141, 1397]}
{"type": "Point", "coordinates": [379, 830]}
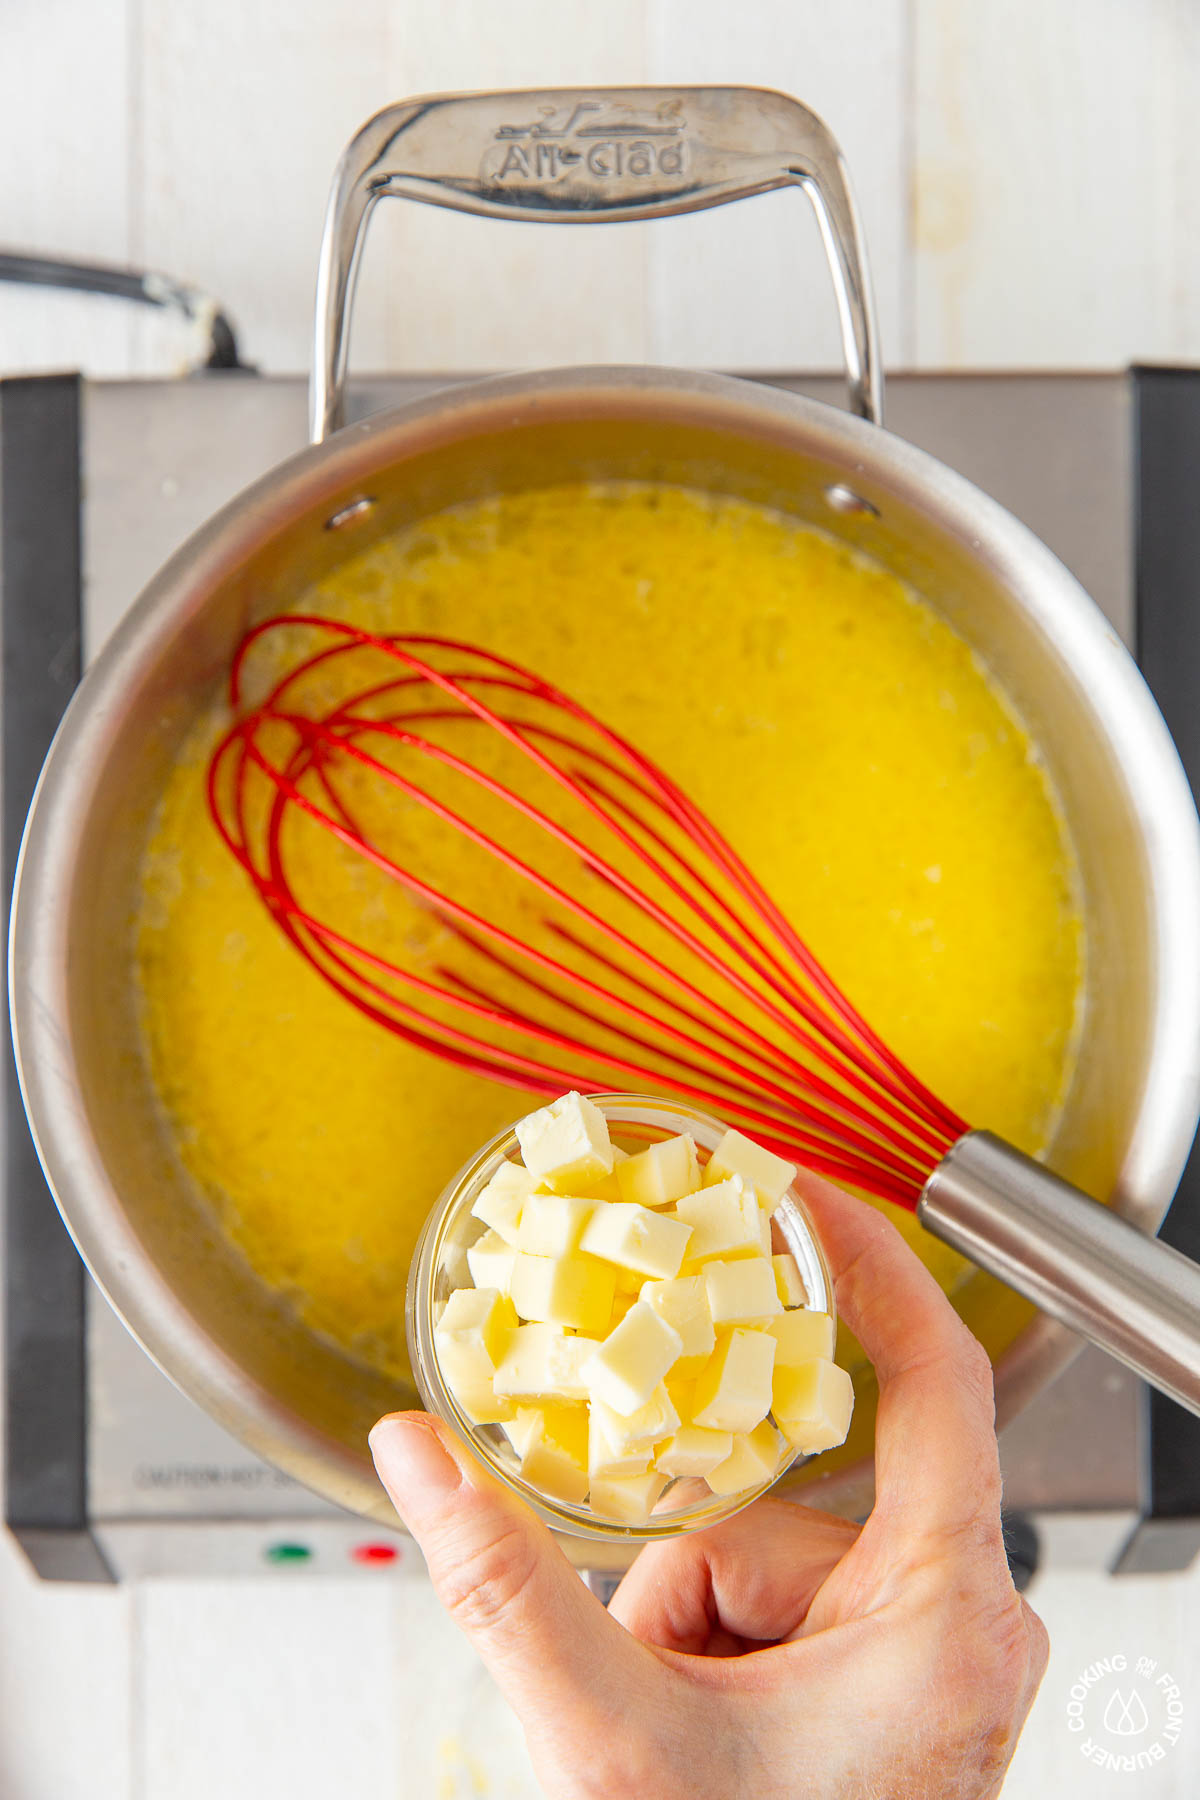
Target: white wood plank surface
{"type": "Point", "coordinates": [245, 119]}
{"type": "Point", "coordinates": [1043, 153]}
{"type": "Point", "coordinates": [246, 109]}
{"type": "Point", "coordinates": [249, 1689]}
{"type": "Point", "coordinates": [467, 293]}
{"type": "Point", "coordinates": [1090, 1617]}
{"type": "Point", "coordinates": [66, 1715]}
{"type": "Point", "coordinates": [65, 108]}
{"type": "Point", "coordinates": [747, 286]}
{"type": "Point", "coordinates": [1055, 197]}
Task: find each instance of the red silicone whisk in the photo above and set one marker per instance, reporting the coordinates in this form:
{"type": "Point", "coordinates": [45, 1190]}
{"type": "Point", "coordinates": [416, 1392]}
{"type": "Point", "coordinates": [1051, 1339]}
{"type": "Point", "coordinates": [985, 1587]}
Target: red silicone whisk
{"type": "Point", "coordinates": [632, 945]}
{"type": "Point", "coordinates": [480, 865]}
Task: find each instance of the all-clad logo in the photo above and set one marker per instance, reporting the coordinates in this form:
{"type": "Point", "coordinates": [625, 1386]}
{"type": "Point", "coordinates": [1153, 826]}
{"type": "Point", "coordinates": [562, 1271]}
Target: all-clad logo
{"type": "Point", "coordinates": [592, 140]}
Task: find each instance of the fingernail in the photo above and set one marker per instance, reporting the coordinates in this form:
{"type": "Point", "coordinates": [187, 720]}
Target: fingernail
{"type": "Point", "coordinates": [414, 1468]}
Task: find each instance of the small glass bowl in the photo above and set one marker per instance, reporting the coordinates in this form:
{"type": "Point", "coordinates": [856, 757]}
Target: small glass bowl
{"type": "Point", "coordinates": [440, 1265]}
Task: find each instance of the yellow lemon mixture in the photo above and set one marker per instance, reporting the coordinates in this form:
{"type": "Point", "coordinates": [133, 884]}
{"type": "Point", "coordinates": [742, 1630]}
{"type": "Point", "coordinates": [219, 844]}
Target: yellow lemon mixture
{"type": "Point", "coordinates": [844, 738]}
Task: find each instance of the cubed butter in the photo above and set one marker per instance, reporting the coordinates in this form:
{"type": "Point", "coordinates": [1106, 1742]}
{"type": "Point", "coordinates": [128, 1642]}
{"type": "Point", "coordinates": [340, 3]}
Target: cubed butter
{"type": "Point", "coordinates": [628, 1499]}
{"type": "Point", "coordinates": [751, 1463]}
{"type": "Point", "coordinates": [725, 1221]}
{"type": "Point", "coordinates": [476, 1327]}
{"type": "Point", "coordinates": [620, 1306]}
{"type": "Point", "coordinates": [482, 1404]}
{"type": "Point", "coordinates": [770, 1176]}
{"type": "Point", "coordinates": [684, 1305]}
{"type": "Point", "coordinates": [609, 1457]}
{"type": "Point", "coordinates": [633, 1359]}
{"type": "Point", "coordinates": [575, 1291]}
{"type": "Point", "coordinates": [635, 1238]}
{"type": "Point", "coordinates": [551, 1224]}
{"type": "Point", "coordinates": [555, 1457]}
{"type": "Point", "coordinates": [693, 1451]}
{"type": "Point", "coordinates": [815, 1405]}
{"type": "Point", "coordinates": [733, 1390]}
{"type": "Point", "coordinates": [544, 1362]}
{"type": "Point", "coordinates": [663, 1173]}
{"type": "Point", "coordinates": [789, 1286]}
{"type": "Point", "coordinates": [500, 1203]}
{"type": "Point", "coordinates": [801, 1335]}
{"type": "Point", "coordinates": [606, 1188]}
{"type": "Point", "coordinates": [627, 1326]}
{"type": "Point", "coordinates": [473, 1333]}
{"type": "Point", "coordinates": [644, 1427]}
{"type": "Point", "coordinates": [490, 1261]}
{"type": "Point", "coordinates": [742, 1292]}
{"type": "Point", "coordinates": [565, 1145]}
{"type": "Point", "coordinates": [523, 1428]}
{"type": "Point", "coordinates": [681, 1391]}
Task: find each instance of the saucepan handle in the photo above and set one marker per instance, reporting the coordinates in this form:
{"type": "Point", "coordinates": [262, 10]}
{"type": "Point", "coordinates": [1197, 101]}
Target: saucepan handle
{"type": "Point", "coordinates": [589, 156]}
{"type": "Point", "coordinates": [1082, 1263]}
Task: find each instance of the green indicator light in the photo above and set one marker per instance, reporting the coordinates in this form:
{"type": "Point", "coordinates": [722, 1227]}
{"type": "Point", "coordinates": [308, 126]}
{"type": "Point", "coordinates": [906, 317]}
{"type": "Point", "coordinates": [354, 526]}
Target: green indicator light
{"type": "Point", "coordinates": [286, 1553]}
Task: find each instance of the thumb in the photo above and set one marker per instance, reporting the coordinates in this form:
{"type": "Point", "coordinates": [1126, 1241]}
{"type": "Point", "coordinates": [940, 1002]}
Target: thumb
{"type": "Point", "coordinates": [497, 1570]}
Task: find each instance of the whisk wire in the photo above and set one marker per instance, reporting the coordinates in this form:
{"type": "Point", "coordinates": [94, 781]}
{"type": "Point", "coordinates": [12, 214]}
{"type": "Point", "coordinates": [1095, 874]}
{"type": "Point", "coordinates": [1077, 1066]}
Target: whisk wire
{"type": "Point", "coordinates": [868, 1121]}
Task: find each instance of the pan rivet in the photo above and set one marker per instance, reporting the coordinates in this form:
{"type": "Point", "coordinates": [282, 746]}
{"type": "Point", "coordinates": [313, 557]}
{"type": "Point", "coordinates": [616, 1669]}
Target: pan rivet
{"type": "Point", "coordinates": [350, 513]}
{"type": "Point", "coordinates": [845, 500]}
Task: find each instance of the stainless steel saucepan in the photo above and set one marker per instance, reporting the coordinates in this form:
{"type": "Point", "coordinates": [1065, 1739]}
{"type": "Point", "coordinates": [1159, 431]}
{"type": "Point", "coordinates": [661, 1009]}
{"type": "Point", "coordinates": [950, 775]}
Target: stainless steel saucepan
{"type": "Point", "coordinates": [605, 155]}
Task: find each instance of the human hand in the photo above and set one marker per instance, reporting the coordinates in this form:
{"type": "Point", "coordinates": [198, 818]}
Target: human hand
{"type": "Point", "coordinates": [786, 1652]}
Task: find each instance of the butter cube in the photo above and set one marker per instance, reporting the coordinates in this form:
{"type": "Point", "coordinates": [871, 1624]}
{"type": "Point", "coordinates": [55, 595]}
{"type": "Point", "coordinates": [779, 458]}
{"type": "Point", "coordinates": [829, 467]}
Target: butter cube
{"type": "Point", "coordinates": [661, 1174]}
{"type": "Point", "coordinates": [788, 1283]}
{"type": "Point", "coordinates": [636, 1238]}
{"type": "Point", "coordinates": [733, 1391]}
{"type": "Point", "coordinates": [575, 1291]}
{"type": "Point", "coordinates": [621, 1305]}
{"type": "Point", "coordinates": [770, 1176]}
{"type": "Point", "coordinates": [482, 1404]}
{"type": "Point", "coordinates": [801, 1335]}
{"type": "Point", "coordinates": [612, 1455]}
{"type": "Point", "coordinates": [681, 1391]}
{"type": "Point", "coordinates": [473, 1333]}
{"type": "Point", "coordinates": [630, 1499]}
{"type": "Point", "coordinates": [684, 1305]}
{"type": "Point", "coordinates": [490, 1261]}
{"type": "Point", "coordinates": [606, 1188]}
{"type": "Point", "coordinates": [630, 1281]}
{"type": "Point", "coordinates": [475, 1329]}
{"type": "Point", "coordinates": [644, 1427]}
{"type": "Point", "coordinates": [742, 1292]}
{"type": "Point", "coordinates": [633, 1359]}
{"type": "Point", "coordinates": [565, 1145]}
{"type": "Point", "coordinates": [693, 1451]}
{"type": "Point", "coordinates": [725, 1221]}
{"type": "Point", "coordinates": [551, 1224]}
{"type": "Point", "coordinates": [753, 1461]}
{"type": "Point", "coordinates": [555, 1457]}
{"type": "Point", "coordinates": [523, 1428]}
{"type": "Point", "coordinates": [500, 1203]}
{"type": "Point", "coordinates": [815, 1404]}
{"type": "Point", "coordinates": [541, 1361]}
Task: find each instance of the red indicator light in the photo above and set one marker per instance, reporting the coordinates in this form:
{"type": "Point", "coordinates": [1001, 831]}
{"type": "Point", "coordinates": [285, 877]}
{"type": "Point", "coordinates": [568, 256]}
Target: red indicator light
{"type": "Point", "coordinates": [375, 1553]}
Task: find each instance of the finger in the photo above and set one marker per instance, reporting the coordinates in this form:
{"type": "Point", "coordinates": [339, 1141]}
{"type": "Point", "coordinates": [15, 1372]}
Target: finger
{"type": "Point", "coordinates": [937, 1468]}
{"type": "Point", "coordinates": [498, 1572]}
{"type": "Point", "coordinates": [751, 1579]}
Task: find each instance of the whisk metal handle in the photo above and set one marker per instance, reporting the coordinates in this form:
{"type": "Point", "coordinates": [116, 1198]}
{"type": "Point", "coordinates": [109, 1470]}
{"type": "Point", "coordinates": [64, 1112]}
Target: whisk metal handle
{"type": "Point", "coordinates": [1135, 1297]}
{"type": "Point", "coordinates": [589, 156]}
